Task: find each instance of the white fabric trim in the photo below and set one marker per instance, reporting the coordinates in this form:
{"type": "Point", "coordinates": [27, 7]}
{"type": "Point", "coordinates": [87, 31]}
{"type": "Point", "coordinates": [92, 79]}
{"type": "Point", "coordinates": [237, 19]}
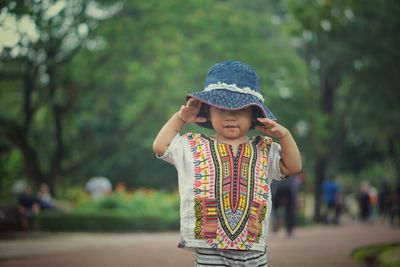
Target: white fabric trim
{"type": "Point", "coordinates": [233, 88]}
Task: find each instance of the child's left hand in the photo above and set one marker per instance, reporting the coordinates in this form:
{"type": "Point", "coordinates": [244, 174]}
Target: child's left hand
{"type": "Point", "coordinates": [272, 128]}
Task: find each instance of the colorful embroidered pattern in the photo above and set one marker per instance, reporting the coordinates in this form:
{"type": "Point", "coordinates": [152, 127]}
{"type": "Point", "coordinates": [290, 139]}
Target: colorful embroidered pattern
{"type": "Point", "coordinates": [198, 213]}
{"type": "Point", "coordinates": [203, 166]}
{"type": "Point", "coordinates": [231, 191]}
{"type": "Point", "coordinates": [262, 186]}
{"type": "Point", "coordinates": [233, 186]}
{"type": "Point", "coordinates": [210, 218]}
{"type": "Point", "coordinates": [257, 215]}
{"type": "Point", "coordinates": [261, 218]}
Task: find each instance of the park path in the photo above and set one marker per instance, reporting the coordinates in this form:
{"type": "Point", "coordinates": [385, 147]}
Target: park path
{"type": "Point", "coordinates": [326, 246]}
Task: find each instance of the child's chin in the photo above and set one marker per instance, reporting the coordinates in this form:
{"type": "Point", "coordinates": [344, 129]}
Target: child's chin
{"type": "Point", "coordinates": [232, 135]}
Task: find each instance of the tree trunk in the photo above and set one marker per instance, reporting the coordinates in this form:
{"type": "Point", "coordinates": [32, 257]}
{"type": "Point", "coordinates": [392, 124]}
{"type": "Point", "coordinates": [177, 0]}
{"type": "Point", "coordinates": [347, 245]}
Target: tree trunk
{"type": "Point", "coordinates": [320, 173]}
{"type": "Point", "coordinates": [18, 137]}
{"type": "Point", "coordinates": [329, 83]}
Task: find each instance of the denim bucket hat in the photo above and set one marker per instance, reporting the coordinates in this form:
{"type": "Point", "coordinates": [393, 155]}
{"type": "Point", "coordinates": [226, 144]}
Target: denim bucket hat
{"type": "Point", "coordinates": [231, 85]}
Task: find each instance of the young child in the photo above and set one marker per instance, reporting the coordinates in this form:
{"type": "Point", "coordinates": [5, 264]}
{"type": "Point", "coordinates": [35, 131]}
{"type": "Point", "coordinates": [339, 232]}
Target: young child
{"type": "Point", "coordinates": [224, 179]}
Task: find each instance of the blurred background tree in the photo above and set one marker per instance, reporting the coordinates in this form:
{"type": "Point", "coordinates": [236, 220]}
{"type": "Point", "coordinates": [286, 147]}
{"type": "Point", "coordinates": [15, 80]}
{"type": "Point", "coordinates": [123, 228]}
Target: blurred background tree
{"type": "Point", "coordinates": [122, 79]}
{"type": "Point", "coordinates": [37, 94]}
{"type": "Point", "coordinates": [351, 52]}
{"type": "Point", "coordinates": [86, 85]}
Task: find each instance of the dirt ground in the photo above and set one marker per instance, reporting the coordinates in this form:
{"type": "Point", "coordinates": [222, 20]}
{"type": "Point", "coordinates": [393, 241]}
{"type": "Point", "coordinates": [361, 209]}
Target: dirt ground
{"type": "Point", "coordinates": [314, 246]}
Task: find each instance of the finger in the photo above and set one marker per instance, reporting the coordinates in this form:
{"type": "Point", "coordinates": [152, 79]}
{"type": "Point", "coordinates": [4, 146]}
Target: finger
{"type": "Point", "coordinates": [199, 104]}
{"type": "Point", "coordinates": [196, 103]}
{"type": "Point", "coordinates": [264, 130]}
{"type": "Point", "coordinates": [190, 102]}
{"type": "Point", "coordinates": [265, 120]}
{"type": "Point", "coordinates": [262, 119]}
{"type": "Point", "coordinates": [272, 127]}
{"type": "Point", "coordinates": [268, 122]}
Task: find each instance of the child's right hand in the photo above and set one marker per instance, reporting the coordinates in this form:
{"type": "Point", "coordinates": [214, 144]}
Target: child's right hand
{"type": "Point", "coordinates": [189, 112]}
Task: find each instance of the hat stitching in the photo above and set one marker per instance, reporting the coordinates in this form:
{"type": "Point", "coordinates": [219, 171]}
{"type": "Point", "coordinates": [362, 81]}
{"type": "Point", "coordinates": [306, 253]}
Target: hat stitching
{"type": "Point", "coordinates": [233, 88]}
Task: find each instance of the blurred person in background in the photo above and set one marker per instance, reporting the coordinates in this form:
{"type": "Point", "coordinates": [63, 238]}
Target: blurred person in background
{"type": "Point", "coordinates": [45, 198]}
{"type": "Point", "coordinates": [364, 202]}
{"type": "Point", "coordinates": [352, 207]}
{"type": "Point", "coordinates": [386, 203]}
{"type": "Point", "coordinates": [373, 199]}
{"type": "Point", "coordinates": [28, 207]}
{"type": "Point", "coordinates": [332, 200]}
{"type": "Point", "coordinates": [284, 204]}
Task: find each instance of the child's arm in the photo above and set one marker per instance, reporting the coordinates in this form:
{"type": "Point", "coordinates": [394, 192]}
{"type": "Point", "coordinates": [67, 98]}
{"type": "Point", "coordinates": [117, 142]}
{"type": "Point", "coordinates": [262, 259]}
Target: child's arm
{"type": "Point", "coordinates": [290, 156]}
{"type": "Point", "coordinates": [186, 113]}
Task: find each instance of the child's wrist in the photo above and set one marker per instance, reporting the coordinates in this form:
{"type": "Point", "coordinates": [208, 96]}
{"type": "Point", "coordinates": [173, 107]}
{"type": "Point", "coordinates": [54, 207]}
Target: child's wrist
{"type": "Point", "coordinates": [179, 117]}
{"type": "Point", "coordinates": [286, 134]}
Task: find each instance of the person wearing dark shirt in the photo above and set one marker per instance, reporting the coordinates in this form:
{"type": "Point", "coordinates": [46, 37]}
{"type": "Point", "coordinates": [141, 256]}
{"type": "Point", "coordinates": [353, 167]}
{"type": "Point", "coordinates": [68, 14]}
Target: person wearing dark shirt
{"type": "Point", "coordinates": [364, 202]}
{"type": "Point", "coordinates": [284, 197]}
{"type": "Point", "coordinates": [28, 207]}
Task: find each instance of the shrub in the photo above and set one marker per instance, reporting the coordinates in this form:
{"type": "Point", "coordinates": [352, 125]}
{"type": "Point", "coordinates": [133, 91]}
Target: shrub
{"type": "Point", "coordinates": [385, 255]}
{"type": "Point", "coordinates": [110, 221]}
{"type": "Point", "coordinates": [143, 210]}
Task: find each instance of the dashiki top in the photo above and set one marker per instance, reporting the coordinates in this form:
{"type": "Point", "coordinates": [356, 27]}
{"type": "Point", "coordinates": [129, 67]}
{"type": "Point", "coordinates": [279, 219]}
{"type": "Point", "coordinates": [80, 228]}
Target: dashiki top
{"type": "Point", "coordinates": [225, 198]}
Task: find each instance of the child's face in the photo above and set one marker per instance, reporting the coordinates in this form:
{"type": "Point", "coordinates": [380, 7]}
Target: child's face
{"type": "Point", "coordinates": [231, 124]}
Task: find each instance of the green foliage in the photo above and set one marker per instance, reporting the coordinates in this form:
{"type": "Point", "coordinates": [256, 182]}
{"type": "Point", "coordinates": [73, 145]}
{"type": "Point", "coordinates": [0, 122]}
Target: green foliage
{"type": "Point", "coordinates": [130, 73]}
{"type": "Point", "coordinates": [347, 39]}
{"type": "Point", "coordinates": [386, 255]}
{"type": "Point", "coordinates": [40, 39]}
{"type": "Point", "coordinates": [390, 257]}
{"type": "Point", "coordinates": [141, 202]}
{"type": "Point", "coordinates": [11, 165]}
{"type": "Point", "coordinates": [378, 174]}
{"type": "Point", "coordinates": [375, 110]}
{"type": "Point", "coordinates": [302, 220]}
{"type": "Point", "coordinates": [113, 222]}
{"type": "Point", "coordinates": [142, 210]}
{"type": "Point", "coordinates": [75, 194]}
{"type": "Point", "coordinates": [113, 87]}
{"type": "Point", "coordinates": [151, 59]}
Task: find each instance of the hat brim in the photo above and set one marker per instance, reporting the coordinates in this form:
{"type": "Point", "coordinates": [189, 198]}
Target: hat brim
{"type": "Point", "coordinates": [229, 100]}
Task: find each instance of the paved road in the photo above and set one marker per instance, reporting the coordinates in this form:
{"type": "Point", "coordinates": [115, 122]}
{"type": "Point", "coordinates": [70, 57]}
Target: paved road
{"type": "Point", "coordinates": [315, 246]}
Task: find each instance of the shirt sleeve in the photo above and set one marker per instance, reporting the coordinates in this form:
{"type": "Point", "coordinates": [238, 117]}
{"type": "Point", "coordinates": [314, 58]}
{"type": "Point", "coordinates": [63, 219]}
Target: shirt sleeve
{"type": "Point", "coordinates": [273, 167]}
{"type": "Point", "coordinates": [174, 151]}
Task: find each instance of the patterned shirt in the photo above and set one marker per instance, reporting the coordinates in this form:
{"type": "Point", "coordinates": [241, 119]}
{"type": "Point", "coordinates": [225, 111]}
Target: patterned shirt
{"type": "Point", "coordinates": [225, 198]}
